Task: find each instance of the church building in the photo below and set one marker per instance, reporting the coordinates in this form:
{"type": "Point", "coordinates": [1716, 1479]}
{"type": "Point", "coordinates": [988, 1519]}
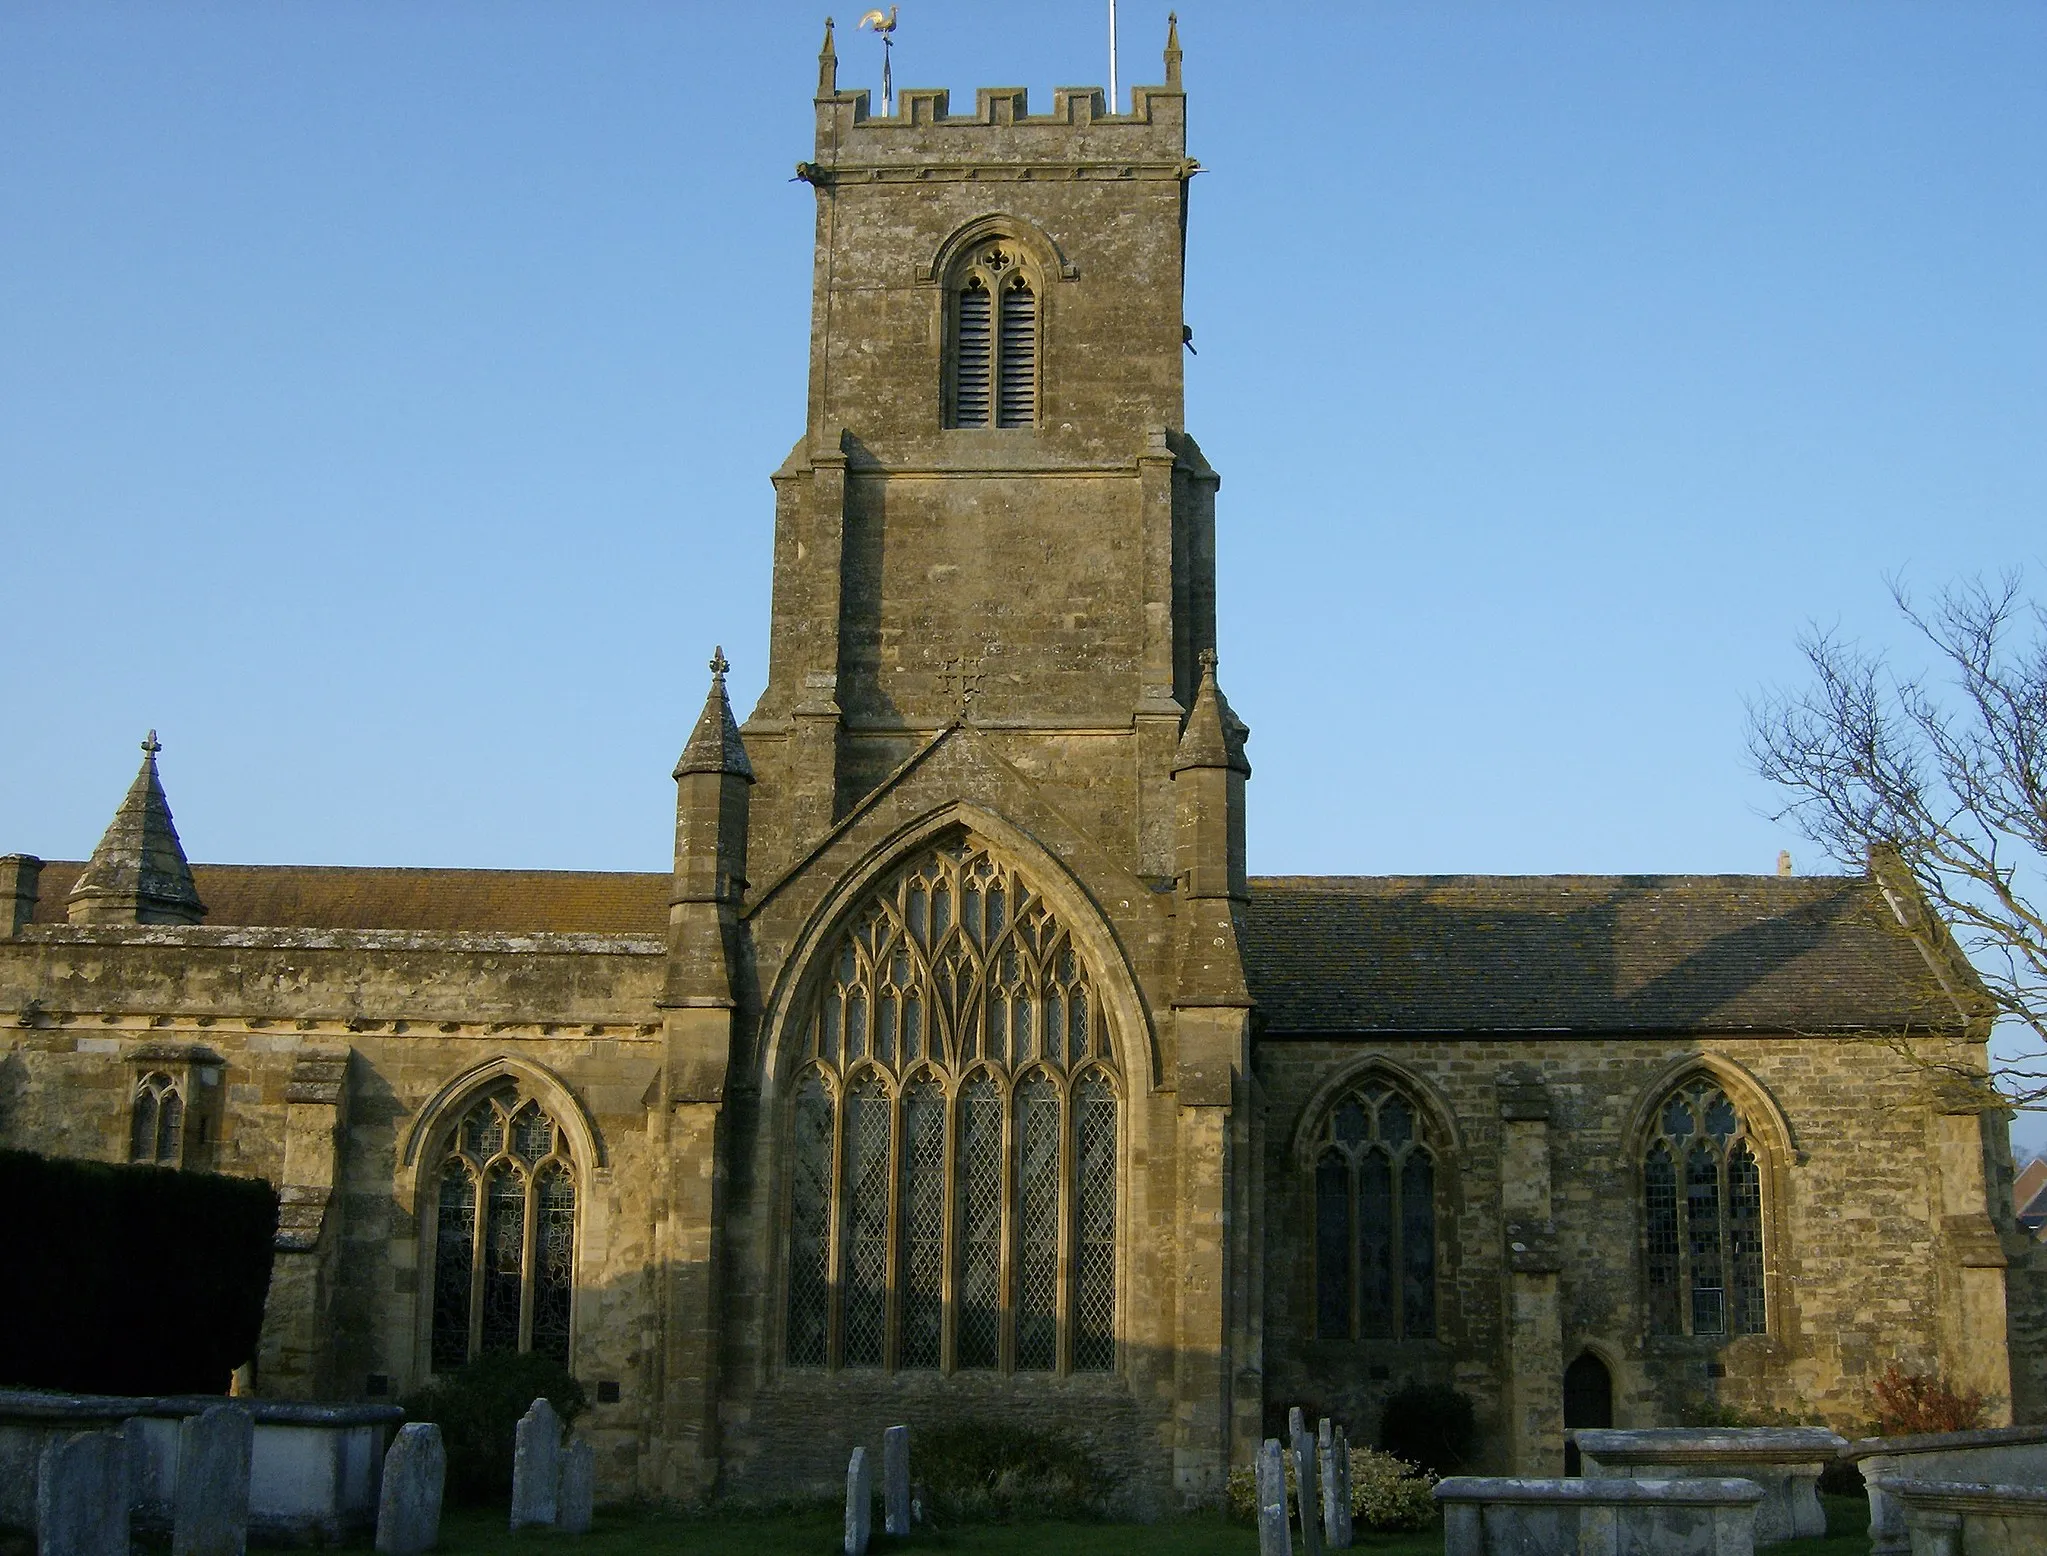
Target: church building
{"type": "Point", "coordinates": [958, 1070]}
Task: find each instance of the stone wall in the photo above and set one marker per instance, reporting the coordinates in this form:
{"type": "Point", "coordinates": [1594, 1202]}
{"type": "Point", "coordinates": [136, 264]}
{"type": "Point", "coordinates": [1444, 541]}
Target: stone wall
{"type": "Point", "coordinates": [1858, 1254]}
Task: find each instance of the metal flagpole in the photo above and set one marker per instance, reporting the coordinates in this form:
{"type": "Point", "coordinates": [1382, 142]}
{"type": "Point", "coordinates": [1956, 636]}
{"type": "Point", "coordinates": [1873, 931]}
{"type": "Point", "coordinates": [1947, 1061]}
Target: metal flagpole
{"type": "Point", "coordinates": [1113, 96]}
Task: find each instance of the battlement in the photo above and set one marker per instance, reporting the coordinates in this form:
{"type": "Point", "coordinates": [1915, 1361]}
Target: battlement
{"type": "Point", "coordinates": [1079, 133]}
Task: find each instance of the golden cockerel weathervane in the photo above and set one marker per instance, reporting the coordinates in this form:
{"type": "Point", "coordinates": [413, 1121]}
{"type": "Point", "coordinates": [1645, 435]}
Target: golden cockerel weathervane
{"type": "Point", "coordinates": [885, 27]}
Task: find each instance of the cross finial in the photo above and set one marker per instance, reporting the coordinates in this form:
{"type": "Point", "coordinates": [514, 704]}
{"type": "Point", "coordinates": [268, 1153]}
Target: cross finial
{"type": "Point", "coordinates": [719, 664]}
{"type": "Point", "coordinates": [149, 743]}
{"type": "Point", "coordinates": [1208, 661]}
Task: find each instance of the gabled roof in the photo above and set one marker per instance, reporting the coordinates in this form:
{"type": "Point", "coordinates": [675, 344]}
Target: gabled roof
{"type": "Point", "coordinates": [1327, 955]}
{"type": "Point", "coordinates": [291, 896]}
{"type": "Point", "coordinates": [1582, 953]}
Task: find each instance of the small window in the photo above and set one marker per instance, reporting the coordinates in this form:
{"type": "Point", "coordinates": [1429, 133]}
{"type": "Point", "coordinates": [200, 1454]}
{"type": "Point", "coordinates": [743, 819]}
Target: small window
{"type": "Point", "coordinates": [156, 1131]}
{"type": "Point", "coordinates": [994, 377]}
{"type": "Point", "coordinates": [1375, 1221]}
{"type": "Point", "coordinates": [1702, 1187]}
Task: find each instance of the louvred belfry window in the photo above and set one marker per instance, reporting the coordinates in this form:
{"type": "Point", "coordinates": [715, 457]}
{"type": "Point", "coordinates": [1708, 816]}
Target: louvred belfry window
{"type": "Point", "coordinates": [994, 366]}
{"type": "Point", "coordinates": [1375, 1221]}
{"type": "Point", "coordinates": [953, 1147]}
{"type": "Point", "coordinates": [504, 1234]}
{"type": "Point", "coordinates": [1702, 1186]}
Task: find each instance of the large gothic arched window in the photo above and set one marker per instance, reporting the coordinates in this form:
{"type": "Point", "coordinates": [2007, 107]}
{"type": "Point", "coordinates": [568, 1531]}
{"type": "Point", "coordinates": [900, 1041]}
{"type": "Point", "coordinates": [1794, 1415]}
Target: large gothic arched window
{"type": "Point", "coordinates": [1375, 1220]}
{"type": "Point", "coordinates": [504, 1233]}
{"type": "Point", "coordinates": [953, 1136]}
{"type": "Point", "coordinates": [1702, 1186]}
{"type": "Point", "coordinates": [993, 366]}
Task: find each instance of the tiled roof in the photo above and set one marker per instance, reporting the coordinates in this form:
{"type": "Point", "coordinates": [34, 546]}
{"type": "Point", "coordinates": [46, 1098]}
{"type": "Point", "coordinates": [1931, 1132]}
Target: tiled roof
{"type": "Point", "coordinates": [1325, 954]}
{"type": "Point", "coordinates": [596, 902]}
{"type": "Point", "coordinates": [1582, 953]}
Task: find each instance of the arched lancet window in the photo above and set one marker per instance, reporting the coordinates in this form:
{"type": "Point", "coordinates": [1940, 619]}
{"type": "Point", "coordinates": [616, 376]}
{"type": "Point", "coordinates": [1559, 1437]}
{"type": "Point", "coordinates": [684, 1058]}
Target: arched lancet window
{"type": "Point", "coordinates": [504, 1203]}
{"type": "Point", "coordinates": [953, 1159]}
{"type": "Point", "coordinates": [156, 1130]}
{"type": "Point", "coordinates": [994, 366]}
{"type": "Point", "coordinates": [1702, 1186]}
{"type": "Point", "coordinates": [1375, 1220]}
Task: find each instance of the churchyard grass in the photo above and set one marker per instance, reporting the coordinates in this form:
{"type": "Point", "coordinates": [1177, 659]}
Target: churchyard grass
{"type": "Point", "coordinates": [816, 1532]}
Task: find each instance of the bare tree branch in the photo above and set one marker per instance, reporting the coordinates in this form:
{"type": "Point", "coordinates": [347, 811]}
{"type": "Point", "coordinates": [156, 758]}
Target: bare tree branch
{"type": "Point", "coordinates": [1942, 784]}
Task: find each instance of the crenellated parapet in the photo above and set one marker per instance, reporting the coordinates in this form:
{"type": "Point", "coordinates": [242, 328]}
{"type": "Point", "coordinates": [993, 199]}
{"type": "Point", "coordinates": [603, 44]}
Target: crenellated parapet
{"type": "Point", "coordinates": [1082, 137]}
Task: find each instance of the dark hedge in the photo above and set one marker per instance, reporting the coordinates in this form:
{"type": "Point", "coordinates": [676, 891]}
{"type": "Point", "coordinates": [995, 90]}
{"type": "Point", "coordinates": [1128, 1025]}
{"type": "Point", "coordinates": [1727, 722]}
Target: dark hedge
{"type": "Point", "coordinates": [130, 1280]}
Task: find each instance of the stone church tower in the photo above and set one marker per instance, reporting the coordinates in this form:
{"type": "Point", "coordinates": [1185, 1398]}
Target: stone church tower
{"type": "Point", "coordinates": [992, 696]}
{"type": "Point", "coordinates": [956, 1072]}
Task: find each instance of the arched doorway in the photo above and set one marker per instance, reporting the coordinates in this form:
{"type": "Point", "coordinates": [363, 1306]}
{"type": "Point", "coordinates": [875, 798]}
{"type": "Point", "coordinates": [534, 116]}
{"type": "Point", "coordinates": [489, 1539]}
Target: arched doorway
{"type": "Point", "coordinates": [1588, 1401]}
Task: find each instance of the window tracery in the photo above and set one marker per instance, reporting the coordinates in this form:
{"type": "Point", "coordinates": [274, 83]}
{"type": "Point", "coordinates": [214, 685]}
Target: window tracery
{"type": "Point", "coordinates": [1702, 1189]}
{"type": "Point", "coordinates": [504, 1234]}
{"type": "Point", "coordinates": [994, 367]}
{"type": "Point", "coordinates": [156, 1127]}
{"type": "Point", "coordinates": [953, 1158]}
{"type": "Point", "coordinates": [1375, 1220]}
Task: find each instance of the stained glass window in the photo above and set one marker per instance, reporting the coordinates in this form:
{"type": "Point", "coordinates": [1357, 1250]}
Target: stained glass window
{"type": "Point", "coordinates": [966, 1217]}
{"type": "Point", "coordinates": [1703, 1218]}
{"type": "Point", "coordinates": [504, 1246]}
{"type": "Point", "coordinates": [1375, 1220]}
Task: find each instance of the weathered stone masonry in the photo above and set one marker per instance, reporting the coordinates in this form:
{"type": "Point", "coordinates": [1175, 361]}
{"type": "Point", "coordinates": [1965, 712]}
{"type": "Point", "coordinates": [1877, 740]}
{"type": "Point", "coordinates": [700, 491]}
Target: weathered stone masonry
{"type": "Point", "coordinates": [993, 638]}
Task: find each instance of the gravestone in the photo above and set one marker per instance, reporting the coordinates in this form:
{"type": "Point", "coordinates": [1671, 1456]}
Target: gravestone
{"type": "Point", "coordinates": [1307, 1498]}
{"type": "Point", "coordinates": [1345, 1494]}
{"type": "Point", "coordinates": [210, 1510]}
{"type": "Point", "coordinates": [859, 1503]}
{"type": "Point", "coordinates": [536, 1467]}
{"type": "Point", "coordinates": [82, 1496]}
{"type": "Point", "coordinates": [1273, 1539]}
{"type": "Point", "coordinates": [895, 1479]}
{"type": "Point", "coordinates": [409, 1505]}
{"type": "Point", "coordinates": [576, 1501]}
{"type": "Point", "coordinates": [1336, 1529]}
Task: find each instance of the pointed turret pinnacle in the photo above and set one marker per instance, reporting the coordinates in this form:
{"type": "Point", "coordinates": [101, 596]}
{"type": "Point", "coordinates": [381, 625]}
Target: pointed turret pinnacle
{"type": "Point", "coordinates": [714, 745]}
{"type": "Point", "coordinates": [1213, 736]}
{"type": "Point", "coordinates": [1172, 52]}
{"type": "Point", "coordinates": [827, 64]}
{"type": "Point", "coordinates": [138, 874]}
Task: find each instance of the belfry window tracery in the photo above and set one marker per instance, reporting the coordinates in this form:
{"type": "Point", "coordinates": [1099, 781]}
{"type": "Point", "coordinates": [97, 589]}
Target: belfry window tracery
{"type": "Point", "coordinates": [1375, 1220]}
{"type": "Point", "coordinates": [504, 1234]}
{"type": "Point", "coordinates": [993, 365]}
{"type": "Point", "coordinates": [1702, 1186]}
{"type": "Point", "coordinates": [953, 1162]}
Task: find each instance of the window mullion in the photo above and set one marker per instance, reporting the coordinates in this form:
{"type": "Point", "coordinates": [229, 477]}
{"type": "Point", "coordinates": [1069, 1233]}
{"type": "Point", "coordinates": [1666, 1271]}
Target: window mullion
{"type": "Point", "coordinates": [892, 1286]}
{"type": "Point", "coordinates": [1005, 1349]}
{"type": "Point", "coordinates": [478, 1254]}
{"type": "Point", "coordinates": [1069, 1229]}
{"type": "Point", "coordinates": [527, 1232]}
{"type": "Point", "coordinates": [836, 1235]}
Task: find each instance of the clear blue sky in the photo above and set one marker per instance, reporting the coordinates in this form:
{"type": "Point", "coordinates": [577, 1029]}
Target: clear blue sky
{"type": "Point", "coordinates": [388, 391]}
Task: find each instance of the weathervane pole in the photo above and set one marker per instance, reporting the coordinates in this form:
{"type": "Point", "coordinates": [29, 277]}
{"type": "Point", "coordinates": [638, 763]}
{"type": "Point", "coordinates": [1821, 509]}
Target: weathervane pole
{"type": "Point", "coordinates": [1113, 95]}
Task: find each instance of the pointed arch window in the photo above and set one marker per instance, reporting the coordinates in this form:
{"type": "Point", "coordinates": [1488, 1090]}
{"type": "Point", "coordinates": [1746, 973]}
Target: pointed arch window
{"type": "Point", "coordinates": [1702, 1187]}
{"type": "Point", "coordinates": [504, 1205]}
{"type": "Point", "coordinates": [156, 1126]}
{"type": "Point", "coordinates": [953, 1136]}
{"type": "Point", "coordinates": [1375, 1220]}
{"type": "Point", "coordinates": [993, 367]}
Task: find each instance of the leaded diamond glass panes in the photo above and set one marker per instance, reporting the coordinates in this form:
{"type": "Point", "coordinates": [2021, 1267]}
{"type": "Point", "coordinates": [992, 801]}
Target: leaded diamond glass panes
{"type": "Point", "coordinates": [810, 1225]}
{"type": "Point", "coordinates": [922, 1279]}
{"type": "Point", "coordinates": [1703, 1218]}
{"type": "Point", "coordinates": [867, 1195]}
{"type": "Point", "coordinates": [1375, 1220]}
{"type": "Point", "coordinates": [1094, 1286]}
{"type": "Point", "coordinates": [157, 1124]}
{"type": "Point", "coordinates": [504, 1217]}
{"type": "Point", "coordinates": [980, 1223]}
{"type": "Point", "coordinates": [964, 1214]}
{"type": "Point", "coordinates": [1037, 1199]}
